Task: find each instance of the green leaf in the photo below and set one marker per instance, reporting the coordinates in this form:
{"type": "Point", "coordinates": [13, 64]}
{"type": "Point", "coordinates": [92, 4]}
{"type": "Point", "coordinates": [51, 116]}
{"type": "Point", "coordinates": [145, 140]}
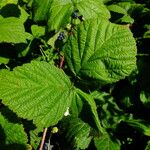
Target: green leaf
{"type": "Point", "coordinates": [147, 34]}
{"type": "Point", "coordinates": [102, 97]}
{"type": "Point", "coordinates": [105, 142]}
{"type": "Point", "coordinates": [148, 146]}
{"type": "Point", "coordinates": [12, 31]}
{"type": "Point", "coordinates": [13, 134]}
{"type": "Point", "coordinates": [126, 19]}
{"type": "Point", "coordinates": [5, 2]}
{"type": "Point", "coordinates": [76, 105]}
{"type": "Point", "coordinates": [147, 26]}
{"type": "Point", "coordinates": [101, 50]}
{"type": "Point", "coordinates": [24, 15]}
{"type": "Point", "coordinates": [93, 107]}
{"type": "Point", "coordinates": [78, 133]}
{"type": "Point", "coordinates": [145, 98]}
{"type": "Point", "coordinates": [41, 9]}
{"type": "Point", "coordinates": [35, 138]}
{"type": "Point", "coordinates": [53, 39]}
{"type": "Point", "coordinates": [37, 91]}
{"type": "Point", "coordinates": [125, 5]}
{"type": "Point", "coordinates": [58, 12]}
{"type": "Point", "coordinates": [117, 9]}
{"type": "Point", "coordinates": [4, 60]}
{"type": "Point", "coordinates": [109, 113]}
{"type": "Point", "coordinates": [142, 126]}
{"type": "Point", "coordinates": [37, 31]}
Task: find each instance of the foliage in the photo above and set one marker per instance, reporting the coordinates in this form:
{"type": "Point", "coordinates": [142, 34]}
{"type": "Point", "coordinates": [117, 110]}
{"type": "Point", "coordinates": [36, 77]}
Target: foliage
{"type": "Point", "coordinates": [77, 68]}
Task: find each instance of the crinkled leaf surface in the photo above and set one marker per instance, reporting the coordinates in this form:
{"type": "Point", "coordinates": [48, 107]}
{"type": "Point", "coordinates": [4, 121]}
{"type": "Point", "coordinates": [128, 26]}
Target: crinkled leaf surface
{"type": "Point", "coordinates": [38, 91]}
{"type": "Point", "coordinates": [106, 143]}
{"type": "Point", "coordinates": [13, 133]}
{"type": "Point", "coordinates": [101, 50]}
{"type": "Point", "coordinates": [78, 133]}
{"type": "Point", "coordinates": [12, 31]}
{"type": "Point", "coordinates": [58, 12]}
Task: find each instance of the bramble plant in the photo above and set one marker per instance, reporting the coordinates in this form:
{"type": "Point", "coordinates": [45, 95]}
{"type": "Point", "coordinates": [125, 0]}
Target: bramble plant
{"type": "Point", "coordinates": [74, 74]}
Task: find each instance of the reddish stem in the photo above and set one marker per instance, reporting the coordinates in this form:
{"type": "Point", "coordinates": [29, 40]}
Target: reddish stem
{"type": "Point", "coordinates": [61, 62]}
{"type": "Point", "coordinates": [43, 139]}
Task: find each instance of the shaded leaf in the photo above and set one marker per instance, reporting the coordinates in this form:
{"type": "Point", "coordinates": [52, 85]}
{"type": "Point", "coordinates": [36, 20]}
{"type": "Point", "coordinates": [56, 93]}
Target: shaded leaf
{"type": "Point", "coordinates": [76, 105]}
{"type": "Point", "coordinates": [147, 34]}
{"type": "Point", "coordinates": [105, 142]}
{"type": "Point", "coordinates": [109, 113]}
{"type": "Point", "coordinates": [12, 133]}
{"type": "Point", "coordinates": [35, 138]}
{"type": "Point", "coordinates": [145, 98]}
{"type": "Point", "coordinates": [148, 146]}
{"type": "Point", "coordinates": [142, 126]}
{"type": "Point", "coordinates": [89, 99]}
{"type": "Point", "coordinates": [78, 133]}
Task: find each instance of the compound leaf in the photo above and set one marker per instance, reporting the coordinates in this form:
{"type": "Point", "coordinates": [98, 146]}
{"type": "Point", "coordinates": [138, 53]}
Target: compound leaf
{"type": "Point", "coordinates": [38, 91]}
{"type": "Point", "coordinates": [101, 50]}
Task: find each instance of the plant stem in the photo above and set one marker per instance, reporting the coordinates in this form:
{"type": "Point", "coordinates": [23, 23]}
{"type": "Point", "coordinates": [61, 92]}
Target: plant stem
{"type": "Point", "coordinates": [61, 62]}
{"type": "Point", "coordinates": [43, 139]}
